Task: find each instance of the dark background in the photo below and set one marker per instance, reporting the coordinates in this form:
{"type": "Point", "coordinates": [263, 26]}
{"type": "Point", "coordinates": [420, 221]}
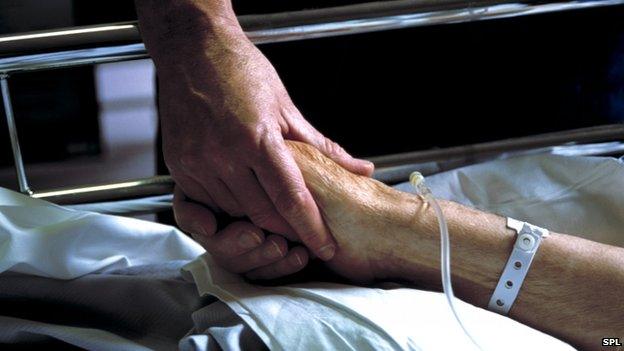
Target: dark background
{"type": "Point", "coordinates": [374, 93]}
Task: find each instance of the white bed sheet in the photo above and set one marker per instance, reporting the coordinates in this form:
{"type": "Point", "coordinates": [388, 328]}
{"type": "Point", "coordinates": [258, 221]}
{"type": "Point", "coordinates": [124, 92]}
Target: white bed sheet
{"type": "Point", "coordinates": [329, 316]}
{"type": "Point", "coordinates": [583, 196]}
{"type": "Point", "coordinates": [42, 239]}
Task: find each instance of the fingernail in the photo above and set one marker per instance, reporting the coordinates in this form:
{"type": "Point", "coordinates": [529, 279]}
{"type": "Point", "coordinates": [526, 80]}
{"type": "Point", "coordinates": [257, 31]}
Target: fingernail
{"type": "Point", "coordinates": [273, 251]}
{"type": "Point", "coordinates": [327, 252]}
{"type": "Point", "coordinates": [249, 240]}
{"type": "Point", "coordinates": [296, 260]}
{"type": "Point", "coordinates": [198, 229]}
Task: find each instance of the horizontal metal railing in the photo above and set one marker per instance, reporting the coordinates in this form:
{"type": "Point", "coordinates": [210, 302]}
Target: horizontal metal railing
{"type": "Point", "coordinates": [386, 165]}
{"type": "Point", "coordinates": [262, 29]}
{"type": "Point", "coordinates": [577, 136]}
{"type": "Point", "coordinates": [130, 189]}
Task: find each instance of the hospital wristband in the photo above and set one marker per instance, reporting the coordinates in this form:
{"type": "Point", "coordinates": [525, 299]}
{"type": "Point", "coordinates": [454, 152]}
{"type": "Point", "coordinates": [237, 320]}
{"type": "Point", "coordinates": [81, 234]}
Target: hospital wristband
{"type": "Point", "coordinates": [526, 245]}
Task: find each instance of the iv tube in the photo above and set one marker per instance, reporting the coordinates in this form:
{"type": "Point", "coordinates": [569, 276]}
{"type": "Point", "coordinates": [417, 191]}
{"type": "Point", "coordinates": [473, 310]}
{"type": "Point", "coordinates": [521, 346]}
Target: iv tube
{"type": "Point", "coordinates": [418, 182]}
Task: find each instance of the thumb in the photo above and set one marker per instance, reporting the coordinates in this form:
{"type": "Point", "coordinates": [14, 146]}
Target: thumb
{"type": "Point", "coordinates": [305, 132]}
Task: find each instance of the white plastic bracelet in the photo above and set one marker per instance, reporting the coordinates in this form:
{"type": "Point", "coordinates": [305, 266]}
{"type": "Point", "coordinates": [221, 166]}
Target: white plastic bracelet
{"type": "Point", "coordinates": [508, 287]}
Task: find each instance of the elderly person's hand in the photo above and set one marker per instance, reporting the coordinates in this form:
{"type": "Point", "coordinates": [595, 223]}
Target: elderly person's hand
{"type": "Point", "coordinates": [386, 234]}
{"type": "Point", "coordinates": [225, 115]}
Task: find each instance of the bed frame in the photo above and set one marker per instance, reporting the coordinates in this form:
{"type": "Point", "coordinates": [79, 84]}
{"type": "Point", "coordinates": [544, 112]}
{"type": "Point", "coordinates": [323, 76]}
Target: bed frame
{"type": "Point", "coordinates": [91, 45]}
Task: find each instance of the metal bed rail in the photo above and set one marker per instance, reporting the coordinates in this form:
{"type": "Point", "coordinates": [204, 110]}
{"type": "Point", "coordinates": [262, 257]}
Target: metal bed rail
{"type": "Point", "coordinates": [264, 29]}
{"type": "Point", "coordinates": [577, 136]}
{"type": "Point", "coordinates": [101, 44]}
{"type": "Point", "coordinates": [390, 168]}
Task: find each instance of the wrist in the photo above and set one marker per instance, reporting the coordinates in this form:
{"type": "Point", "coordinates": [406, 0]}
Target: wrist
{"type": "Point", "coordinates": [177, 30]}
{"type": "Point", "coordinates": [480, 246]}
{"type": "Point", "coordinates": [410, 245]}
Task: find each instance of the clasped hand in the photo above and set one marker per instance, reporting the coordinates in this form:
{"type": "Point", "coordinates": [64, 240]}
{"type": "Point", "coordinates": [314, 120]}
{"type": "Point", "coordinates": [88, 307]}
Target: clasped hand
{"type": "Point", "coordinates": [225, 116]}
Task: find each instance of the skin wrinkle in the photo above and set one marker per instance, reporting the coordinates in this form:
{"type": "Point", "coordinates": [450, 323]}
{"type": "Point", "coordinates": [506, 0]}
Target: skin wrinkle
{"type": "Point", "coordinates": [179, 20]}
{"type": "Point", "coordinates": [386, 234]}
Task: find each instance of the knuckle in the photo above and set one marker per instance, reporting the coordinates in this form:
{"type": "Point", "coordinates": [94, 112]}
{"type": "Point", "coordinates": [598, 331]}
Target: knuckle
{"type": "Point", "coordinates": [293, 203]}
{"type": "Point", "coordinates": [308, 237]}
{"type": "Point", "coordinates": [227, 203]}
{"type": "Point", "coordinates": [247, 136]}
{"type": "Point", "coordinates": [267, 137]}
{"type": "Point", "coordinates": [252, 131]}
{"type": "Point", "coordinates": [224, 249]}
{"type": "Point", "coordinates": [235, 239]}
{"type": "Point", "coordinates": [332, 148]}
{"type": "Point", "coordinates": [262, 217]}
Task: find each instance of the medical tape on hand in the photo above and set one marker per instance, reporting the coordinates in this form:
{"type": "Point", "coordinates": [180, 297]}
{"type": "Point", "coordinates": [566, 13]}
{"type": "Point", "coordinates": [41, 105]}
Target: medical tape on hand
{"type": "Point", "coordinates": [526, 245]}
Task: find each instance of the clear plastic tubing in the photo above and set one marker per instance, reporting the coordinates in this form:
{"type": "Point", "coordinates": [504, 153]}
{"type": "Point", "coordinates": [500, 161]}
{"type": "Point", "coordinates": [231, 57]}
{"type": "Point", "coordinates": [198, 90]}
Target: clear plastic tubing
{"type": "Point", "coordinates": [418, 182]}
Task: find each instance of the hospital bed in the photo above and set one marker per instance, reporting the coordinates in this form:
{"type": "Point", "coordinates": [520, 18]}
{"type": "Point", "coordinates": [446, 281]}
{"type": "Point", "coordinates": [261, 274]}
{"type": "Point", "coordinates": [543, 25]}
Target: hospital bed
{"type": "Point", "coordinates": [92, 45]}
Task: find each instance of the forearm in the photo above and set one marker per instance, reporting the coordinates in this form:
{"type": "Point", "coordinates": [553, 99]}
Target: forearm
{"type": "Point", "coordinates": [174, 30]}
{"type": "Point", "coordinates": [573, 289]}
{"type": "Point", "coordinates": [201, 54]}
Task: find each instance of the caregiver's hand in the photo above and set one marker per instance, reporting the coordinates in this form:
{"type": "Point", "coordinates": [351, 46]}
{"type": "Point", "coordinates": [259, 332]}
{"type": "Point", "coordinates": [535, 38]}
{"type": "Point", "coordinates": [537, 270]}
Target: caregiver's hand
{"type": "Point", "coordinates": [240, 247]}
{"type": "Point", "coordinates": [366, 218]}
{"type": "Point", "coordinates": [225, 115]}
